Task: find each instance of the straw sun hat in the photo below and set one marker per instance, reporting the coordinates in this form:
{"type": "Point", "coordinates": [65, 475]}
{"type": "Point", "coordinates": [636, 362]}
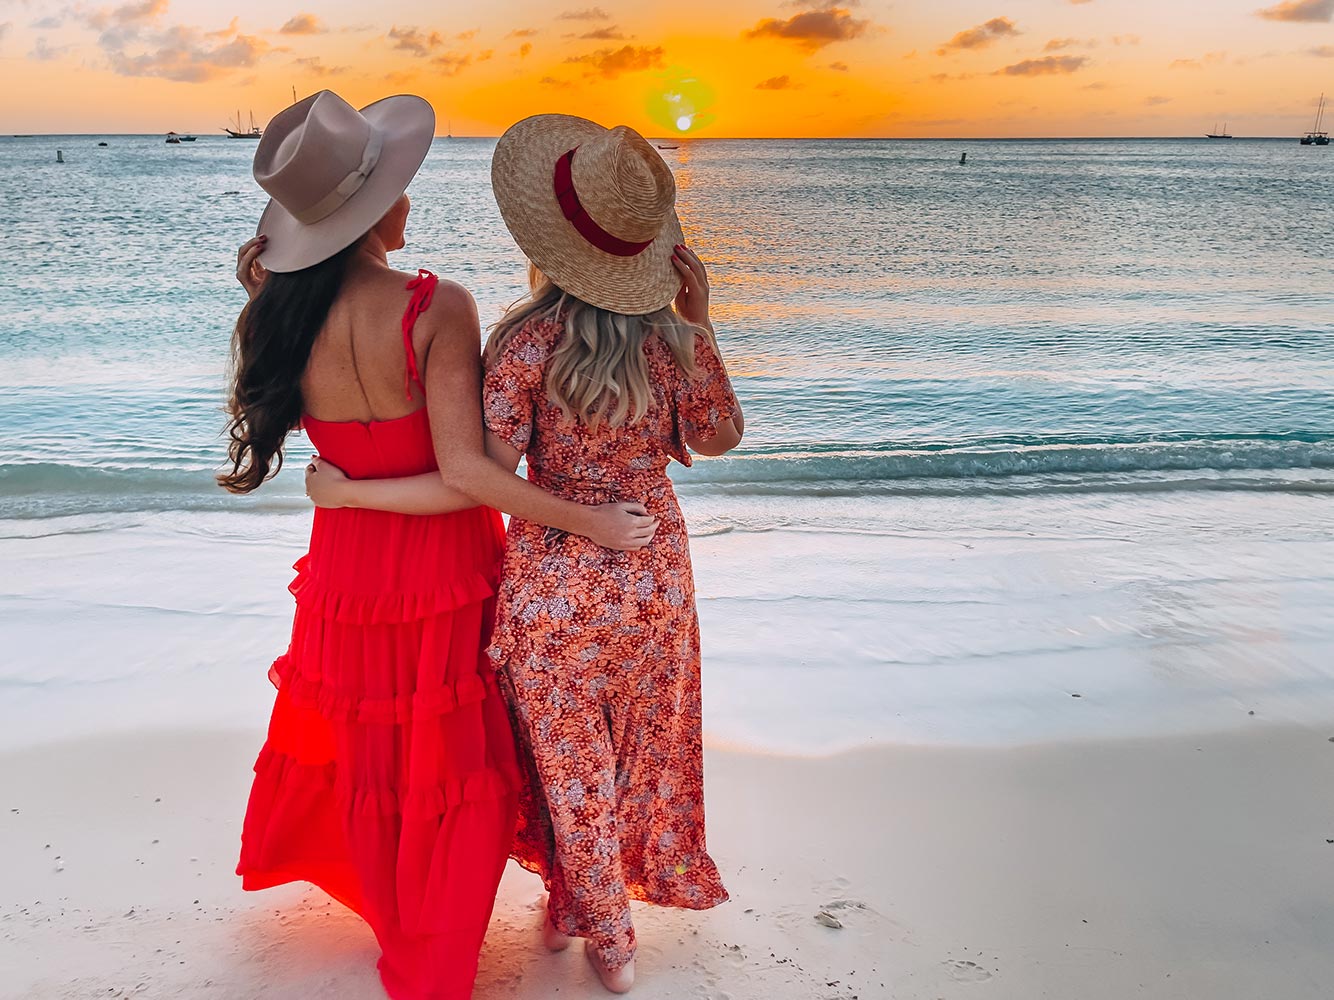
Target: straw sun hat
{"type": "Point", "coordinates": [333, 172]}
{"type": "Point", "coordinates": [593, 208]}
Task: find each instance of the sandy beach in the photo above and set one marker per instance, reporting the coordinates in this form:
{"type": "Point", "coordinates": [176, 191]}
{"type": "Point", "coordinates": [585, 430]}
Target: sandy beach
{"type": "Point", "coordinates": [1072, 748]}
{"type": "Point", "coordinates": [1177, 868]}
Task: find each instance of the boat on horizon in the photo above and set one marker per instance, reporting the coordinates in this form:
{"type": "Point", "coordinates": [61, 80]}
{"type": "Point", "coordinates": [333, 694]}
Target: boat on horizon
{"type": "Point", "coordinates": [175, 138]}
{"type": "Point", "coordinates": [240, 131]}
{"type": "Point", "coordinates": [1317, 137]}
{"type": "Point", "coordinates": [1215, 134]}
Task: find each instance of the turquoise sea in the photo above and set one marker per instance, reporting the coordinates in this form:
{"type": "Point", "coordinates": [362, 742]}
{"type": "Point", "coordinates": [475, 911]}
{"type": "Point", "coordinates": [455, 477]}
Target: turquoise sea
{"type": "Point", "coordinates": [1074, 315]}
{"type": "Point", "coordinates": [1059, 421]}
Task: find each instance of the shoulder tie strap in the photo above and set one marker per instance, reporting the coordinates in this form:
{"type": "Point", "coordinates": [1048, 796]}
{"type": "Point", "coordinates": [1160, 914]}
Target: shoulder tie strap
{"type": "Point", "coordinates": [422, 288]}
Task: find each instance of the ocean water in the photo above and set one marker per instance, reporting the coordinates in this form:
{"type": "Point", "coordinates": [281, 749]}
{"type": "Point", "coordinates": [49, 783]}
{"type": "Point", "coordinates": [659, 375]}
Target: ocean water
{"type": "Point", "coordinates": [1089, 315]}
{"type": "Point", "coordinates": [1131, 340]}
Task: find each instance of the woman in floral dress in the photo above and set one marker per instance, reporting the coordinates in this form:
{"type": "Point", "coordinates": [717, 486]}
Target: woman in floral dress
{"type": "Point", "coordinates": [600, 383]}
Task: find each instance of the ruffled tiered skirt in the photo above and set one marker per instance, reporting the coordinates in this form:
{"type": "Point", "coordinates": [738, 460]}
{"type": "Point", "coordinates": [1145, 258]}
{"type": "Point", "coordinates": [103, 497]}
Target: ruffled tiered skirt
{"type": "Point", "coordinates": [388, 778]}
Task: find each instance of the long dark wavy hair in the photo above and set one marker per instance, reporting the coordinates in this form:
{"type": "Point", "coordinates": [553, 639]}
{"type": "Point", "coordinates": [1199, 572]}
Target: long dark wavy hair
{"type": "Point", "coordinates": [270, 350]}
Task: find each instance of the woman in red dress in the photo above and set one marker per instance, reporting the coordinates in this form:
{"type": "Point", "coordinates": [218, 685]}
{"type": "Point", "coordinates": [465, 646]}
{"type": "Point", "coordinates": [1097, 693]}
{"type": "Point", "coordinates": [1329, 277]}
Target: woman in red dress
{"type": "Point", "coordinates": [600, 383]}
{"type": "Point", "coordinates": [388, 777]}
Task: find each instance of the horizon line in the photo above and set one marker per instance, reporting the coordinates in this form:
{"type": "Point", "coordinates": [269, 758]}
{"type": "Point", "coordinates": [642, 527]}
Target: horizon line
{"type": "Point", "coordinates": [739, 138]}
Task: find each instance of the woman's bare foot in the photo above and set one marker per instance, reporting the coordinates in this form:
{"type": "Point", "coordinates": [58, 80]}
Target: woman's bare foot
{"type": "Point", "coordinates": [553, 939]}
{"type": "Point", "coordinates": [619, 981]}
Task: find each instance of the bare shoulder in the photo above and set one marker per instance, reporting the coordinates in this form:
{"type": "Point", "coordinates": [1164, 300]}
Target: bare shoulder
{"type": "Point", "coordinates": [453, 300]}
{"type": "Point", "coordinates": [450, 325]}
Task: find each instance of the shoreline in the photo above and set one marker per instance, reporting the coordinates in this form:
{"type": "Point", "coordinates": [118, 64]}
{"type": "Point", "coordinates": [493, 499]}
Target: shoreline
{"type": "Point", "coordinates": [1166, 868]}
{"type": "Point", "coordinates": [830, 624]}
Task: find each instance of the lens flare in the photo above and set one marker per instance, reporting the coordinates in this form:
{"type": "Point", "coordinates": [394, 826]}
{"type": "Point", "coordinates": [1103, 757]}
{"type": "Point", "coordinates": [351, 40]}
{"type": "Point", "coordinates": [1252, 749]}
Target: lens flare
{"type": "Point", "coordinates": [679, 100]}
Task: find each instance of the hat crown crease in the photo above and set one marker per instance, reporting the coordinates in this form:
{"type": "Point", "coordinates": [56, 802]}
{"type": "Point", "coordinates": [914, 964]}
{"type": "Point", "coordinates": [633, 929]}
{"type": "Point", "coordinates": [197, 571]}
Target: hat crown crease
{"type": "Point", "coordinates": [329, 148]}
{"type": "Point", "coordinates": [624, 185]}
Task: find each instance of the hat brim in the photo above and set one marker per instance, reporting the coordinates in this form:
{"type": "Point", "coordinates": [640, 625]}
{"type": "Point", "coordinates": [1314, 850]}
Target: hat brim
{"type": "Point", "coordinates": [523, 180]}
{"type": "Point", "coordinates": [407, 124]}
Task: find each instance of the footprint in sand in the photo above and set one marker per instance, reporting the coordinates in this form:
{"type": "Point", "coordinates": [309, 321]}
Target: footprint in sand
{"type": "Point", "coordinates": [962, 971]}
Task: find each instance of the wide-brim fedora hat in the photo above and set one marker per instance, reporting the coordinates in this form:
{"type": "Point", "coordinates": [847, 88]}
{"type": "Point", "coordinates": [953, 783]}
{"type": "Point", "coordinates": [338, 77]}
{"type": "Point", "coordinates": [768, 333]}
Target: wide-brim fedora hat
{"type": "Point", "coordinates": [593, 208]}
{"type": "Point", "coordinates": [333, 172]}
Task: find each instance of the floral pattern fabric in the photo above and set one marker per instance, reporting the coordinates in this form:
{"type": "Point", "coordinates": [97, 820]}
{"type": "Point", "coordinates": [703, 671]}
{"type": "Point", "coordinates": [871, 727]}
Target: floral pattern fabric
{"type": "Point", "coordinates": [598, 651]}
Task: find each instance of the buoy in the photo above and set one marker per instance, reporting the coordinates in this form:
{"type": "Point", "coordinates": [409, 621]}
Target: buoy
{"type": "Point", "coordinates": [963, 158]}
{"type": "Point", "coordinates": [60, 156]}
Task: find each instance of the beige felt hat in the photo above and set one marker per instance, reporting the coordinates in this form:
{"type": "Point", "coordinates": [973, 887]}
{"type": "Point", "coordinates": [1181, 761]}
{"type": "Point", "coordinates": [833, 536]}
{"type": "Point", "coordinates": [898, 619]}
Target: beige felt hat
{"type": "Point", "coordinates": [333, 172]}
{"type": "Point", "coordinates": [593, 208]}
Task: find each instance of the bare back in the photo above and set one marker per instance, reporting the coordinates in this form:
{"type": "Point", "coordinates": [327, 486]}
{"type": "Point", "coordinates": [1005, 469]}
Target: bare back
{"type": "Point", "coordinates": [359, 363]}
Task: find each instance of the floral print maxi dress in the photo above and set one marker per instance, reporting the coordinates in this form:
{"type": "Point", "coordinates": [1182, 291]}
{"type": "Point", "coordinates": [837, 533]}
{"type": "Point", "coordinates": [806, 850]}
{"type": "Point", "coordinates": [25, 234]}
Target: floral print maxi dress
{"type": "Point", "coordinates": [598, 650]}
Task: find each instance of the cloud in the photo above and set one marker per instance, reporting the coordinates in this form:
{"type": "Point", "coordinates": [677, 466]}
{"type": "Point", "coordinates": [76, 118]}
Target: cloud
{"type": "Point", "coordinates": [812, 29]}
{"type": "Point", "coordinates": [1080, 1]}
{"type": "Point", "coordinates": [233, 28]}
{"type": "Point", "coordinates": [1208, 59]}
{"type": "Point", "coordinates": [980, 36]}
{"type": "Point", "coordinates": [131, 15]}
{"type": "Point", "coordinates": [840, 67]}
{"type": "Point", "coordinates": [4, 29]}
{"type": "Point", "coordinates": [135, 45]}
{"type": "Point", "coordinates": [1299, 10]}
{"type": "Point", "coordinates": [419, 43]}
{"type": "Point", "coordinates": [611, 63]}
{"type": "Point", "coordinates": [1156, 100]}
{"type": "Point", "coordinates": [47, 23]}
{"type": "Point", "coordinates": [467, 36]}
{"type": "Point", "coordinates": [44, 51]}
{"type": "Point", "coordinates": [586, 14]}
{"type": "Point", "coordinates": [522, 33]}
{"type": "Point", "coordinates": [524, 50]}
{"type": "Point", "coordinates": [945, 77]}
{"type": "Point", "coordinates": [315, 67]}
{"type": "Point", "coordinates": [1322, 52]}
{"type": "Point", "coordinates": [1046, 66]}
{"type": "Point", "coordinates": [183, 54]}
{"type": "Point", "coordinates": [1100, 85]}
{"type": "Point", "coordinates": [776, 83]}
{"type": "Point", "coordinates": [1125, 39]}
{"type": "Point", "coordinates": [1058, 44]}
{"type": "Point", "coordinates": [302, 24]}
{"type": "Point", "coordinates": [607, 34]}
{"type": "Point", "coordinates": [551, 81]}
{"type": "Point", "coordinates": [454, 63]}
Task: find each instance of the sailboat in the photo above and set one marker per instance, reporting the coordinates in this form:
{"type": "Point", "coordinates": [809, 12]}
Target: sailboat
{"type": "Point", "coordinates": [1316, 137]}
{"type": "Point", "coordinates": [1215, 134]}
{"type": "Point", "coordinates": [239, 132]}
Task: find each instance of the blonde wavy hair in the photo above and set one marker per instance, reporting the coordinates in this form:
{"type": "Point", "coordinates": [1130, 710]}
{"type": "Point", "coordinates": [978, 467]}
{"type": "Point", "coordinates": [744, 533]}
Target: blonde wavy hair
{"type": "Point", "coordinates": [597, 372]}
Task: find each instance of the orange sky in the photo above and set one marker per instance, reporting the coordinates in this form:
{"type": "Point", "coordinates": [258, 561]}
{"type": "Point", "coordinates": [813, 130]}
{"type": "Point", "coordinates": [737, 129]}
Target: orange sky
{"type": "Point", "coordinates": [742, 68]}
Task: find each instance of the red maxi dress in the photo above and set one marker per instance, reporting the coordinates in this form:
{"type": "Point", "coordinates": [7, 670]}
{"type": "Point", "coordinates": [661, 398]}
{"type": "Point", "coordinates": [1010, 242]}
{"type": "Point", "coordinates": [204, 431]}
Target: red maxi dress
{"type": "Point", "coordinates": [388, 777]}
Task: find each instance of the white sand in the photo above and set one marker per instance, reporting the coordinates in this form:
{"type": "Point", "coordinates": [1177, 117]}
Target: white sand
{"type": "Point", "coordinates": [1124, 856]}
{"type": "Point", "coordinates": [1187, 868]}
